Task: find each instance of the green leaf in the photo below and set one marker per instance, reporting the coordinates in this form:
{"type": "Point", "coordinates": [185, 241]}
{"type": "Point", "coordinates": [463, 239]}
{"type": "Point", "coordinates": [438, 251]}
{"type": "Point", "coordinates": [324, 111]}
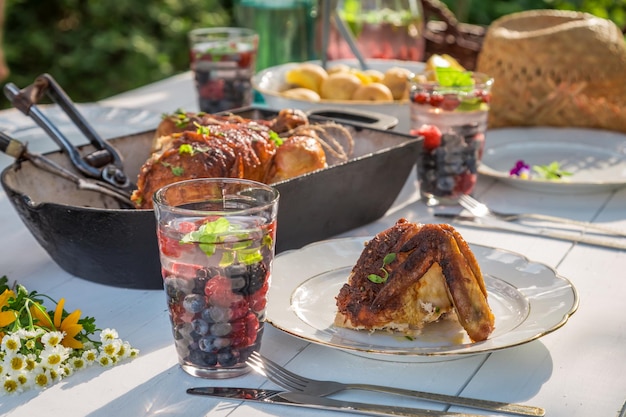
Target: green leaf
{"type": "Point", "coordinates": [376, 279]}
{"type": "Point", "coordinates": [551, 171]}
{"type": "Point", "coordinates": [275, 138]}
{"type": "Point", "coordinates": [389, 258]}
{"type": "Point", "coordinates": [185, 148]}
{"type": "Point", "coordinates": [451, 77]}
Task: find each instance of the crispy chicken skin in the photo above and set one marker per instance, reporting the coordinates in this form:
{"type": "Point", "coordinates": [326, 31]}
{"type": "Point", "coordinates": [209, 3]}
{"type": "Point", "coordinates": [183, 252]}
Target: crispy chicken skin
{"type": "Point", "coordinates": [200, 145]}
{"type": "Point", "coordinates": [434, 272]}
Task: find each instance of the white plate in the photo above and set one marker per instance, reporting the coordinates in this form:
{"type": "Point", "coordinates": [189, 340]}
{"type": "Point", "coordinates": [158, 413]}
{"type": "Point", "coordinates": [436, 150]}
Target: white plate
{"type": "Point", "coordinates": [528, 300]}
{"type": "Point", "coordinates": [597, 158]}
{"type": "Point", "coordinates": [270, 82]}
{"type": "Point", "coordinates": [108, 122]}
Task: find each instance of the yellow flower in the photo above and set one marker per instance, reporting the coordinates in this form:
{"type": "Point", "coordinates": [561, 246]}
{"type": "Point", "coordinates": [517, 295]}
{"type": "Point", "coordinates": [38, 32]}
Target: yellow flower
{"type": "Point", "coordinates": [6, 317]}
{"type": "Point", "coordinates": [39, 313]}
{"type": "Point", "coordinates": [69, 326]}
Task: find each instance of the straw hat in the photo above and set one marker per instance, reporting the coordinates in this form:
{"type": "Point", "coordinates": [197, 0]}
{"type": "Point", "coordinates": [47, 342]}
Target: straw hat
{"type": "Point", "coordinates": [556, 68]}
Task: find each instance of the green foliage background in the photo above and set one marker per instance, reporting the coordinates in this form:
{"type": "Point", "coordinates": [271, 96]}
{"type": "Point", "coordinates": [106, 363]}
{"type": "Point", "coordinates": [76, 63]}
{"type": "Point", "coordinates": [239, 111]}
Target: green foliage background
{"type": "Point", "coordinates": [97, 48]}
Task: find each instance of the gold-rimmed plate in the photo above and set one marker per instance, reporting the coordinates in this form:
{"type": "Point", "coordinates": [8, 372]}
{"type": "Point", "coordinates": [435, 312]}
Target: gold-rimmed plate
{"type": "Point", "coordinates": [528, 299]}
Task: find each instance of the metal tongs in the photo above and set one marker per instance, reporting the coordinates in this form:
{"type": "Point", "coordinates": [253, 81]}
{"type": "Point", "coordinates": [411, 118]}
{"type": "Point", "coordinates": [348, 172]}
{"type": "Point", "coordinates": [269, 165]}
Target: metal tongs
{"type": "Point", "coordinates": [104, 164]}
{"type": "Point", "coordinates": [19, 151]}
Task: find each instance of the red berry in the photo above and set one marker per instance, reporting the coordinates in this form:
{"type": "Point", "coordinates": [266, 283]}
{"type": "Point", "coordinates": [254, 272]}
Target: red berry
{"type": "Point", "coordinates": [420, 98]}
{"type": "Point", "coordinates": [244, 331]}
{"type": "Point", "coordinates": [186, 227]}
{"type": "Point", "coordinates": [436, 100]}
{"type": "Point", "coordinates": [169, 247]}
{"type": "Point", "coordinates": [245, 59]}
{"type": "Point", "coordinates": [450, 102]}
{"type": "Point", "coordinates": [485, 96]}
{"type": "Point", "coordinates": [465, 183]}
{"type": "Point", "coordinates": [179, 315]}
{"type": "Point", "coordinates": [185, 270]}
{"type": "Point", "coordinates": [219, 292]}
{"type": "Point", "coordinates": [432, 136]}
{"type": "Point", "coordinates": [258, 300]}
{"type": "Point", "coordinates": [238, 309]}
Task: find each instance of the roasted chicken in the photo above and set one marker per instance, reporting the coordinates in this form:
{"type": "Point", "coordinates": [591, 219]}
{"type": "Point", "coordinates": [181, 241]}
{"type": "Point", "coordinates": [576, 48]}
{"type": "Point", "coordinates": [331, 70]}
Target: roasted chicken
{"type": "Point", "coordinates": [413, 274]}
{"type": "Point", "coordinates": [200, 145]}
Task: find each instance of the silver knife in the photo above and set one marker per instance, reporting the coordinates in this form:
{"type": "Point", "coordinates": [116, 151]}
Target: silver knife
{"type": "Point", "coordinates": [535, 231]}
{"type": "Point", "coordinates": [297, 399]}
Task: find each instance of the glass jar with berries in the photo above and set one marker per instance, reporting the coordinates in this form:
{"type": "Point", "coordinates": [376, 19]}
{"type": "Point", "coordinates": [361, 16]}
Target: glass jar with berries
{"type": "Point", "coordinates": [449, 108]}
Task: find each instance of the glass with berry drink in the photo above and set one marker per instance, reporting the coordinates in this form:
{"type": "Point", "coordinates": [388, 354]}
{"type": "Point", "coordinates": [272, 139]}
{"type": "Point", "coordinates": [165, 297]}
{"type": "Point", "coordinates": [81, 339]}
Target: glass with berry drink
{"type": "Point", "coordinates": [223, 61]}
{"type": "Point", "coordinates": [216, 242]}
{"type": "Point", "coordinates": [449, 108]}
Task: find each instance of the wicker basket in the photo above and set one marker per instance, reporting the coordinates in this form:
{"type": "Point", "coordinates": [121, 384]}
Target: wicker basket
{"type": "Point", "coordinates": [556, 68]}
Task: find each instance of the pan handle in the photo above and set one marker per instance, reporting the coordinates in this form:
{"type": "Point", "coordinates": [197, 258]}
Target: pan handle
{"type": "Point", "coordinates": [104, 163]}
{"type": "Point", "coordinates": [359, 117]}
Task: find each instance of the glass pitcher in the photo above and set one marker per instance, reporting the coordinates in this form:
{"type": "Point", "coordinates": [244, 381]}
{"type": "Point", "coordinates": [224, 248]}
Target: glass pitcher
{"type": "Point", "coordinates": [383, 29]}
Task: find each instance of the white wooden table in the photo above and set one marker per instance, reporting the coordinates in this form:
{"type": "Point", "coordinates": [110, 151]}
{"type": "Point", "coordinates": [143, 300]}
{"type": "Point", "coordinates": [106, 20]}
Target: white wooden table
{"type": "Point", "coordinates": [577, 371]}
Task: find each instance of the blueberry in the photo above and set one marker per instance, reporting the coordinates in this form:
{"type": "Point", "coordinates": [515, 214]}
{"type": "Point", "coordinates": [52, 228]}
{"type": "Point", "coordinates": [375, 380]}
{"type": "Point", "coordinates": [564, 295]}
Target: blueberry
{"type": "Point", "coordinates": [228, 357]}
{"type": "Point", "coordinates": [206, 344]}
{"type": "Point", "coordinates": [202, 276]}
{"type": "Point", "coordinates": [194, 303]}
{"type": "Point", "coordinates": [182, 331]}
{"type": "Point", "coordinates": [221, 329]}
{"type": "Point", "coordinates": [176, 288]}
{"type": "Point", "coordinates": [211, 343]}
{"type": "Point", "coordinates": [197, 357]}
{"type": "Point", "coordinates": [216, 314]}
{"type": "Point", "coordinates": [200, 326]}
{"type": "Point", "coordinates": [246, 279]}
{"type": "Point", "coordinates": [446, 183]}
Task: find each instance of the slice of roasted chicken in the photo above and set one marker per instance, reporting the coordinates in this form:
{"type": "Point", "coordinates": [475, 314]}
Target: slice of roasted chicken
{"type": "Point", "coordinates": [413, 274]}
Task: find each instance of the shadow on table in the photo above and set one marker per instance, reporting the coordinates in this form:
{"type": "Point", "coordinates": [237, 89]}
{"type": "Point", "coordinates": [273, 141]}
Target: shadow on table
{"type": "Point", "coordinates": [165, 395]}
{"type": "Point", "coordinates": [502, 372]}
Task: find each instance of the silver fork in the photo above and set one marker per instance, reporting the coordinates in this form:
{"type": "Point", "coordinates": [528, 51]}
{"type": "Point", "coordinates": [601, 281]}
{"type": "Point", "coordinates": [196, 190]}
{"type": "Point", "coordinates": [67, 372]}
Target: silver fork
{"type": "Point", "coordinates": [479, 209]}
{"type": "Point", "coordinates": [298, 383]}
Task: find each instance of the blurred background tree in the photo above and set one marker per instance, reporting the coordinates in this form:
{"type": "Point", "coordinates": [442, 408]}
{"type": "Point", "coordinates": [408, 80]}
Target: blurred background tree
{"type": "Point", "coordinates": [96, 48]}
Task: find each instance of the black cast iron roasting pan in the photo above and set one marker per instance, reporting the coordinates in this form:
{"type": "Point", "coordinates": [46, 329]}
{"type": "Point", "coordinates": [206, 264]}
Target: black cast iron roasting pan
{"type": "Point", "coordinates": [96, 236]}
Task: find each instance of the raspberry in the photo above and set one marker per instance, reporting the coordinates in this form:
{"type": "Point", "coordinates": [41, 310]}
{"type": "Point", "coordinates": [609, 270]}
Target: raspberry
{"type": "Point", "coordinates": [186, 227]}
{"type": "Point", "coordinates": [185, 270]}
{"type": "Point", "coordinates": [450, 102]}
{"type": "Point", "coordinates": [219, 292]}
{"type": "Point", "coordinates": [258, 300]}
{"type": "Point", "coordinates": [465, 183]}
{"type": "Point", "coordinates": [420, 98]}
{"type": "Point", "coordinates": [169, 247]}
{"type": "Point", "coordinates": [432, 136]}
{"type": "Point", "coordinates": [436, 100]}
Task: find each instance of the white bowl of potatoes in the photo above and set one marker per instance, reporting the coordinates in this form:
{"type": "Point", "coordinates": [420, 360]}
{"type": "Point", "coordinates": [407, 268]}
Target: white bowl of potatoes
{"type": "Point", "coordinates": [343, 87]}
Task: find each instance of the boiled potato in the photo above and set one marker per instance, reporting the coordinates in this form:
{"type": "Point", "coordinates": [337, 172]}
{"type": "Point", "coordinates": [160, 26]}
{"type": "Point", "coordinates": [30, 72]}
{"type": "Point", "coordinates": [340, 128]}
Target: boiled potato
{"type": "Point", "coordinates": [339, 86]}
{"type": "Point", "coordinates": [373, 92]}
{"type": "Point", "coordinates": [375, 75]}
{"type": "Point", "coordinates": [307, 75]}
{"type": "Point", "coordinates": [338, 68]}
{"type": "Point", "coordinates": [397, 79]}
{"type": "Point", "coordinates": [301, 93]}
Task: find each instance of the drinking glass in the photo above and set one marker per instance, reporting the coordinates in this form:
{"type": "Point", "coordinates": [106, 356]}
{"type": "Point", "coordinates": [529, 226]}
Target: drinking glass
{"type": "Point", "coordinates": [223, 62]}
{"type": "Point", "coordinates": [216, 242]}
{"type": "Point", "coordinates": [450, 110]}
